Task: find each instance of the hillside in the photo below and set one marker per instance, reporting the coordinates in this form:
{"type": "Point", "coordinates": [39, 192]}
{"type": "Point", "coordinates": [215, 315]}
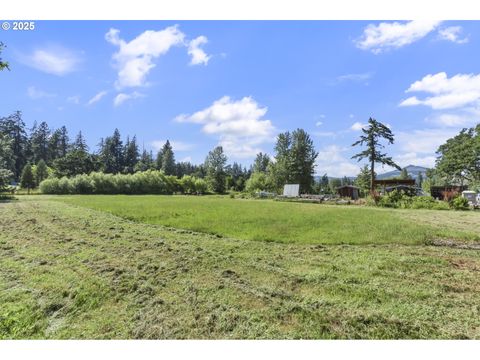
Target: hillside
{"type": "Point", "coordinates": [412, 170]}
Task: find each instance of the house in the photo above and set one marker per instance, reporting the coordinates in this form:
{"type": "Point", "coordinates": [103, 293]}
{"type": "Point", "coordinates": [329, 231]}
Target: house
{"type": "Point", "coordinates": [349, 191]}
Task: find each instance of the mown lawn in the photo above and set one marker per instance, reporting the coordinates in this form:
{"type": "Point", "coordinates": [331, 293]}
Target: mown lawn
{"type": "Point", "coordinates": [286, 222]}
{"type": "Point", "coordinates": [72, 272]}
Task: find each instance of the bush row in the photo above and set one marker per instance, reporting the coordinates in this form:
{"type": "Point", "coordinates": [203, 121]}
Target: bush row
{"type": "Point", "coordinates": [396, 199]}
{"type": "Point", "coordinates": [146, 182]}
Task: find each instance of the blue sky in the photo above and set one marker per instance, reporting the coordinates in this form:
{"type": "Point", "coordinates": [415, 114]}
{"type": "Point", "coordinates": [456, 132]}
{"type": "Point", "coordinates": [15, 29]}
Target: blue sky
{"type": "Point", "coordinates": [238, 84]}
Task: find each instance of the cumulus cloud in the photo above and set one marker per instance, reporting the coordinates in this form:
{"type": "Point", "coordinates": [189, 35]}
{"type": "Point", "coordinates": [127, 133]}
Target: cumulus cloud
{"type": "Point", "coordinates": [451, 120]}
{"type": "Point", "coordinates": [36, 94]}
{"type": "Point", "coordinates": [238, 124]}
{"type": "Point", "coordinates": [176, 145]}
{"type": "Point", "coordinates": [424, 141]}
{"type": "Point", "coordinates": [446, 93]}
{"type": "Point", "coordinates": [51, 59]}
{"type": "Point", "coordinates": [452, 34]}
{"type": "Point", "coordinates": [122, 97]}
{"type": "Point", "coordinates": [357, 126]}
{"type": "Point", "coordinates": [136, 58]}
{"type": "Point", "coordinates": [413, 158]}
{"type": "Point", "coordinates": [394, 35]}
{"type": "Point", "coordinates": [96, 98]}
{"type": "Point", "coordinates": [333, 161]}
{"type": "Point", "coordinates": [196, 52]}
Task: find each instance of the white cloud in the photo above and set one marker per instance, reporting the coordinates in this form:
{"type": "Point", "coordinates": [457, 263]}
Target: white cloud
{"type": "Point", "coordinates": [413, 158]}
{"type": "Point", "coordinates": [394, 35]}
{"type": "Point", "coordinates": [54, 60]}
{"type": "Point", "coordinates": [318, 123]}
{"type": "Point", "coordinates": [354, 77]}
{"type": "Point", "coordinates": [122, 97]}
{"type": "Point", "coordinates": [331, 160]}
{"type": "Point", "coordinates": [451, 120]}
{"type": "Point", "coordinates": [357, 126]}
{"type": "Point", "coordinates": [96, 98]}
{"type": "Point", "coordinates": [186, 159]}
{"type": "Point", "coordinates": [196, 52]}
{"type": "Point", "coordinates": [75, 99]}
{"type": "Point", "coordinates": [452, 34]}
{"type": "Point", "coordinates": [36, 94]}
{"type": "Point", "coordinates": [176, 145]}
{"type": "Point", "coordinates": [239, 125]}
{"type": "Point", "coordinates": [424, 141]}
{"type": "Point", "coordinates": [447, 93]}
{"type": "Point", "coordinates": [135, 59]}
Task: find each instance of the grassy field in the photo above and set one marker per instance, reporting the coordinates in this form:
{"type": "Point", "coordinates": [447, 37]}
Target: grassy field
{"type": "Point", "coordinates": [69, 271]}
{"type": "Point", "coordinates": [286, 222]}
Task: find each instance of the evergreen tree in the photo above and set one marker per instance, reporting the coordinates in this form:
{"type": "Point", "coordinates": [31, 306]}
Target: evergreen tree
{"type": "Point", "coordinates": [42, 171]}
{"type": "Point", "coordinates": [363, 180]}
{"type": "Point", "coordinates": [27, 180]}
{"type": "Point", "coordinates": [111, 153]}
{"type": "Point", "coordinates": [323, 187]}
{"type": "Point", "coordinates": [58, 144]}
{"type": "Point", "coordinates": [146, 162]}
{"type": "Point", "coordinates": [14, 129]}
{"type": "Point", "coordinates": [158, 160]}
{"type": "Point", "coordinates": [64, 142]}
{"type": "Point", "coordinates": [131, 155]}
{"type": "Point", "coordinates": [261, 162]}
{"type": "Point", "coordinates": [334, 183]}
{"type": "Point", "coordinates": [80, 143]}
{"type": "Point", "coordinates": [39, 142]}
{"type": "Point", "coordinates": [6, 154]}
{"type": "Point", "coordinates": [185, 168]}
{"type": "Point", "coordinates": [215, 168]}
{"type": "Point", "coordinates": [168, 159]}
{"type": "Point", "coordinates": [372, 134]}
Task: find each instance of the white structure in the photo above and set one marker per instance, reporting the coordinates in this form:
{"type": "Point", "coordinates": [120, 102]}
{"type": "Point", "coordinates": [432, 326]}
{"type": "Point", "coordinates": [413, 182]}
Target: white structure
{"type": "Point", "coordinates": [471, 196]}
{"type": "Point", "coordinates": [291, 190]}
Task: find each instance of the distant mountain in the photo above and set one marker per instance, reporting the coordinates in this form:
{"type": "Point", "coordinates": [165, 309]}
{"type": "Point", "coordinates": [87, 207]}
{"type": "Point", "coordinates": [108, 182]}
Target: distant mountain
{"type": "Point", "coordinates": [412, 170]}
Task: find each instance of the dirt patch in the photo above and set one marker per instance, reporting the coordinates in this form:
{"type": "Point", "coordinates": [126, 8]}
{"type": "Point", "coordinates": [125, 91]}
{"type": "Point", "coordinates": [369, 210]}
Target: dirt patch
{"type": "Point", "coordinates": [455, 244]}
{"type": "Point", "coordinates": [465, 264]}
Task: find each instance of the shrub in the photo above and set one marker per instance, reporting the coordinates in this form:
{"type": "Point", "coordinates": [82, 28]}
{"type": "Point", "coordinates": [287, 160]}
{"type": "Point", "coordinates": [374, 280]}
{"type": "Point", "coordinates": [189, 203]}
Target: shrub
{"type": "Point", "coordinates": [459, 203]}
{"type": "Point", "coordinates": [201, 186]}
{"type": "Point", "coordinates": [187, 184]}
{"type": "Point", "coordinates": [258, 181]}
{"type": "Point", "coordinates": [50, 186]}
{"type": "Point", "coordinates": [82, 184]}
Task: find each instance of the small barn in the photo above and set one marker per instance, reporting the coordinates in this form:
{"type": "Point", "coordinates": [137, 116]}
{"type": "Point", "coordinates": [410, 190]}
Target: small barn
{"type": "Point", "coordinates": [349, 191]}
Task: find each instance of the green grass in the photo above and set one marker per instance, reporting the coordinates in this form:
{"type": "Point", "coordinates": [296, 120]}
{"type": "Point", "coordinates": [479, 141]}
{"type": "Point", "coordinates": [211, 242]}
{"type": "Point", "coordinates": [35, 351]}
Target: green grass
{"type": "Point", "coordinates": [73, 272]}
{"type": "Point", "coordinates": [286, 222]}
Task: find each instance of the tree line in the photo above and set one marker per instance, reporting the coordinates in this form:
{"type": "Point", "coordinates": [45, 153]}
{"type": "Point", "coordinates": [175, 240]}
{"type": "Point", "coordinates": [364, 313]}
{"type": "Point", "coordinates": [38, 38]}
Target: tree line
{"type": "Point", "coordinates": [30, 156]}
